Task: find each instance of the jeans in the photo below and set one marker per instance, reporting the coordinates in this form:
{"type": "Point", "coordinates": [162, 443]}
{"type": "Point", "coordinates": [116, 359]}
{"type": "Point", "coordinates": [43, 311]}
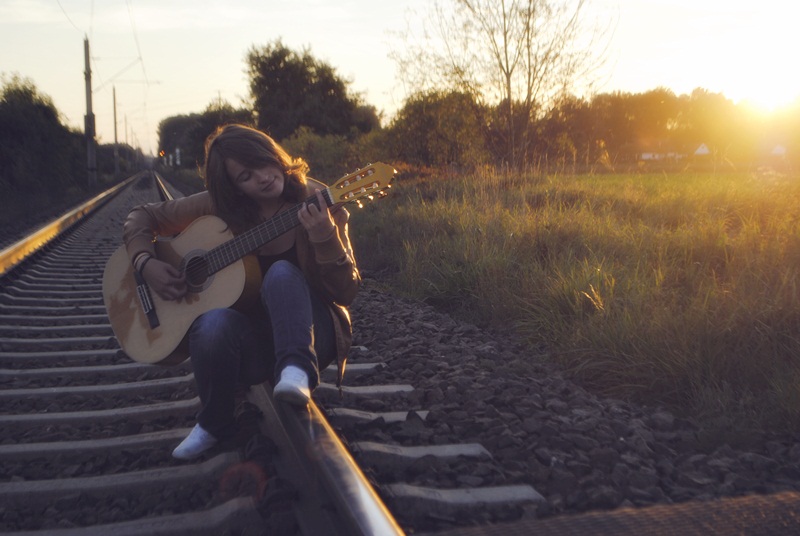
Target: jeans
{"type": "Point", "coordinates": [229, 348]}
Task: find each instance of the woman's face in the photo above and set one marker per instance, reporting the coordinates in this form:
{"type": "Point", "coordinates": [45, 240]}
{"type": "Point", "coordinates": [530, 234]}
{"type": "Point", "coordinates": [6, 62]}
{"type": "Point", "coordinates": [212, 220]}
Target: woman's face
{"type": "Point", "coordinates": [263, 185]}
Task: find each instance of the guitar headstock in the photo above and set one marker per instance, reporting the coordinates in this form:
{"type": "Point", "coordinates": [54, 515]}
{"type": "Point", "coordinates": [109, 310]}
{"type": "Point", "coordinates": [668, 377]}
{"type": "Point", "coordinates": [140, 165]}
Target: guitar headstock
{"type": "Point", "coordinates": [369, 182]}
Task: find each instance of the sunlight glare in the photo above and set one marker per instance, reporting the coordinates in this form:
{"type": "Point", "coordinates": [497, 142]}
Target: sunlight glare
{"type": "Point", "coordinates": [767, 85]}
{"type": "Point", "coordinates": [759, 74]}
{"type": "Point", "coordinates": [768, 104]}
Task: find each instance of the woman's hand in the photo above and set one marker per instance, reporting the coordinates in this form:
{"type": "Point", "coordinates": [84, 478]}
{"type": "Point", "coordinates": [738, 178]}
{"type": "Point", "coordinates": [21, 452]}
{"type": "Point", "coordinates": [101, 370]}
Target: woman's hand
{"type": "Point", "coordinates": [317, 219]}
{"type": "Point", "coordinates": [166, 281]}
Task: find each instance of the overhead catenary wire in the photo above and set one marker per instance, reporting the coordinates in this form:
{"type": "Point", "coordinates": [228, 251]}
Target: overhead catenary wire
{"type": "Point", "coordinates": [144, 71]}
{"type": "Point", "coordinates": [138, 59]}
{"type": "Point", "coordinates": [64, 11]}
{"type": "Point", "coordinates": [136, 39]}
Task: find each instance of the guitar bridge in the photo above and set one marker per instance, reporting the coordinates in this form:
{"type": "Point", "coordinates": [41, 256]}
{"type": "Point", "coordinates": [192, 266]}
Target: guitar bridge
{"type": "Point", "coordinates": [143, 291]}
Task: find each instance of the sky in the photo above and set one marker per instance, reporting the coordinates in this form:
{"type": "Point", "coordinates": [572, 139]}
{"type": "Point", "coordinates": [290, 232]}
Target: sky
{"type": "Point", "coordinates": [168, 57]}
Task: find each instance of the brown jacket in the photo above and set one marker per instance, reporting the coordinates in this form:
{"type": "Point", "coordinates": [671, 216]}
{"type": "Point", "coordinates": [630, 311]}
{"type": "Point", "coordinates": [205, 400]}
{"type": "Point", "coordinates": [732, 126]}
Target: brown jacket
{"type": "Point", "coordinates": [329, 266]}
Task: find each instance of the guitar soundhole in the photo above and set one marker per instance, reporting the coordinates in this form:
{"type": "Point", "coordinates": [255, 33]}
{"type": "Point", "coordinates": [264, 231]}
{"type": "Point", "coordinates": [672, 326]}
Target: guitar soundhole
{"type": "Point", "coordinates": [196, 271]}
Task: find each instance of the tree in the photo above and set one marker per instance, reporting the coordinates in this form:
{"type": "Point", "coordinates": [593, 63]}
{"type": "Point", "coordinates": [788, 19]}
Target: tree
{"type": "Point", "coordinates": [188, 133]}
{"type": "Point", "coordinates": [438, 128]}
{"type": "Point", "coordinates": [37, 152]}
{"type": "Point", "coordinates": [656, 114]}
{"type": "Point", "coordinates": [129, 159]}
{"type": "Point", "coordinates": [521, 53]}
{"type": "Point", "coordinates": [616, 122]}
{"type": "Point", "coordinates": [291, 89]}
{"type": "Point", "coordinates": [712, 119]}
{"type": "Point", "coordinates": [176, 132]}
{"type": "Point", "coordinates": [568, 133]}
{"type": "Point", "coordinates": [328, 157]}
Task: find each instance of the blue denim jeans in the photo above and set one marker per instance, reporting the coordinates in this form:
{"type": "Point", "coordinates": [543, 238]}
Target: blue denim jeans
{"type": "Point", "coordinates": [229, 348]}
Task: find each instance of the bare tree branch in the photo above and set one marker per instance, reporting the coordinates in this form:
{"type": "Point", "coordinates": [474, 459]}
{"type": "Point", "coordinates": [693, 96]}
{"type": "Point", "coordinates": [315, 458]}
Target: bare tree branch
{"type": "Point", "coordinates": [520, 54]}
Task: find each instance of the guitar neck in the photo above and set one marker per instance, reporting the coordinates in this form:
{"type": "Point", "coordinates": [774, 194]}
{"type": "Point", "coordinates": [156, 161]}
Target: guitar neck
{"type": "Point", "coordinates": [252, 239]}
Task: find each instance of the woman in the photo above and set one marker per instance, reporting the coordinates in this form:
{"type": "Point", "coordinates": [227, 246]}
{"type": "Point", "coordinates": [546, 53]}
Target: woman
{"type": "Point", "coordinates": [309, 278]}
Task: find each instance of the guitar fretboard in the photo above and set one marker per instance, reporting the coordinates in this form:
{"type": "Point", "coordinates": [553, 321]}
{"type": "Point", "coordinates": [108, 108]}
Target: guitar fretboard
{"type": "Point", "coordinates": [252, 239]}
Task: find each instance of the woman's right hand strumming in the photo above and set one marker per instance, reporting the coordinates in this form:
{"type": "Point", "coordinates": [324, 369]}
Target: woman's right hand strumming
{"type": "Point", "coordinates": [165, 280]}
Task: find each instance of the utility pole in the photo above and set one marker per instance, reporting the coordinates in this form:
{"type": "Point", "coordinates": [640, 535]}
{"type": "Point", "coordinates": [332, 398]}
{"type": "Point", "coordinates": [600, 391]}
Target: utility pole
{"type": "Point", "coordinates": [91, 142]}
{"type": "Point", "coordinates": [116, 144]}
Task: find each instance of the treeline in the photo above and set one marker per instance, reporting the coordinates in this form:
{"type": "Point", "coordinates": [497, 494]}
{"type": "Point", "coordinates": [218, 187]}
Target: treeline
{"type": "Point", "coordinates": [303, 103]}
{"type": "Point", "coordinates": [298, 99]}
{"type": "Point", "coordinates": [607, 132]}
{"type": "Point", "coordinates": [306, 105]}
{"type": "Point", "coordinates": [38, 153]}
{"type": "Point", "coordinates": [661, 129]}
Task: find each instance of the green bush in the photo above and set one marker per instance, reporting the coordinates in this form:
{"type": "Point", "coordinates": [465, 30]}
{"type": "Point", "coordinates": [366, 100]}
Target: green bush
{"type": "Point", "coordinates": [36, 151]}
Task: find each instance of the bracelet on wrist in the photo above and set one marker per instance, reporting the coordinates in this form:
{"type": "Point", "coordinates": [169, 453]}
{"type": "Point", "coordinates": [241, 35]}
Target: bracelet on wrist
{"type": "Point", "coordinates": [143, 264]}
{"type": "Point", "coordinates": [140, 259]}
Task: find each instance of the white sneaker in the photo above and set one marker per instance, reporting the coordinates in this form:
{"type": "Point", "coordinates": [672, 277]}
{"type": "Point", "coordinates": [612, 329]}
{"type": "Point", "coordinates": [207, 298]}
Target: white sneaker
{"type": "Point", "coordinates": [197, 442]}
{"type": "Point", "coordinates": [293, 387]}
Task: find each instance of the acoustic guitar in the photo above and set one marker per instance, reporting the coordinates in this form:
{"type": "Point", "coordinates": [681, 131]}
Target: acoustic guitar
{"type": "Point", "coordinates": [219, 270]}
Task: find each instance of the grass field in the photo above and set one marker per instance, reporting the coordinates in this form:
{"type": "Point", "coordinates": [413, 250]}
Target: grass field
{"type": "Point", "coordinates": [678, 290]}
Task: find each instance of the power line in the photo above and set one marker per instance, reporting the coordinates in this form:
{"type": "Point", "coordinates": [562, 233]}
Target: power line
{"type": "Point", "coordinates": [120, 72]}
{"type": "Point", "coordinates": [139, 58]}
{"type": "Point", "coordinates": [69, 19]}
{"type": "Point", "coordinates": [144, 71]}
{"type": "Point", "coordinates": [136, 38]}
{"type": "Point", "coordinates": [91, 20]}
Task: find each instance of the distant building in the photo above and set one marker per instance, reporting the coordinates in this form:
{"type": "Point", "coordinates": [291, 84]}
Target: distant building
{"type": "Point", "coordinates": [656, 152]}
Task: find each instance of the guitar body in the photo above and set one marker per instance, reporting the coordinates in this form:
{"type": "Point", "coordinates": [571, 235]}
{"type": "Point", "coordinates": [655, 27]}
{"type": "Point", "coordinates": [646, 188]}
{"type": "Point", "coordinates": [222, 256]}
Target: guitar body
{"type": "Point", "coordinates": [235, 285]}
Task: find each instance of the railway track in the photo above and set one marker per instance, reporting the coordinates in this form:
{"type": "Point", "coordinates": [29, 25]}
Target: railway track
{"type": "Point", "coordinates": [86, 434]}
{"type": "Point", "coordinates": [438, 429]}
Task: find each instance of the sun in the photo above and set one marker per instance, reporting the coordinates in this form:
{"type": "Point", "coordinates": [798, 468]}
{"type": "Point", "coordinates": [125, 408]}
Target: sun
{"type": "Point", "coordinates": [756, 60]}
{"type": "Point", "coordinates": [770, 101]}
{"type": "Point", "coordinates": [741, 51]}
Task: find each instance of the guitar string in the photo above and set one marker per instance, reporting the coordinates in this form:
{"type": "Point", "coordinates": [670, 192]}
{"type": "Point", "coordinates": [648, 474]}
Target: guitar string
{"type": "Point", "coordinates": [229, 252]}
{"type": "Point", "coordinates": [234, 249]}
{"type": "Point", "coordinates": [221, 256]}
{"type": "Point", "coordinates": [247, 241]}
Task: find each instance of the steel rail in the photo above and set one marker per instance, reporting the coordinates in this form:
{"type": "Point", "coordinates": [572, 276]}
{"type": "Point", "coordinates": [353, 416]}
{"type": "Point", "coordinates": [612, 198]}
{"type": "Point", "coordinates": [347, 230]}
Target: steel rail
{"type": "Point", "coordinates": [327, 463]}
{"type": "Point", "coordinates": [14, 254]}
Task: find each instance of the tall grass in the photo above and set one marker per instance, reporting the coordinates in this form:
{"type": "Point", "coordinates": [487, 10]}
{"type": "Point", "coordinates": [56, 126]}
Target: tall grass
{"type": "Point", "coordinates": [671, 289]}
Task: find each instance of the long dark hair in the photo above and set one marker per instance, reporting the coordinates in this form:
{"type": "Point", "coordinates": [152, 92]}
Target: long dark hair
{"type": "Point", "coordinates": [252, 149]}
